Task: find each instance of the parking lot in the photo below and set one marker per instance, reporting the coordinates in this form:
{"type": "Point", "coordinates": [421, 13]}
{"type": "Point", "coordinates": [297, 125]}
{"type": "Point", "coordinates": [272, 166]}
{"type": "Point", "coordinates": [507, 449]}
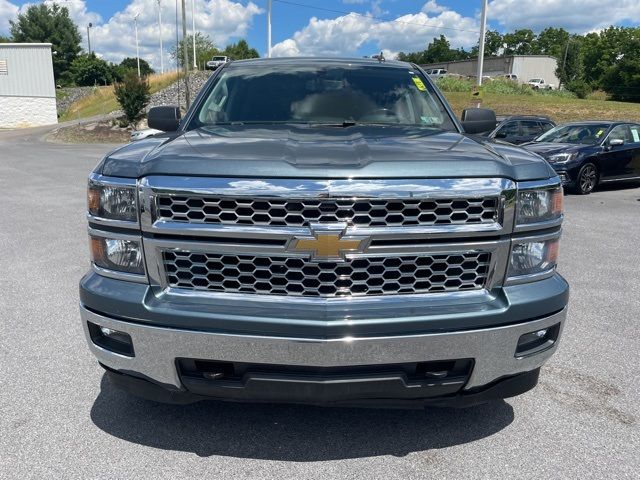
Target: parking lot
{"type": "Point", "coordinates": [62, 419]}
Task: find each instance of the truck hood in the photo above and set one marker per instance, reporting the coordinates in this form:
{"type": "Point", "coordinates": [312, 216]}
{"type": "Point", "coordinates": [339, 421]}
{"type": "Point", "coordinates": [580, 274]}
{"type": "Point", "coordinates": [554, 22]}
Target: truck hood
{"type": "Point", "coordinates": [323, 152]}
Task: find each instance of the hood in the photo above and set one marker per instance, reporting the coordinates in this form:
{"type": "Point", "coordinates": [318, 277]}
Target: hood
{"type": "Point", "coordinates": [323, 152]}
{"type": "Point", "coordinates": [547, 149]}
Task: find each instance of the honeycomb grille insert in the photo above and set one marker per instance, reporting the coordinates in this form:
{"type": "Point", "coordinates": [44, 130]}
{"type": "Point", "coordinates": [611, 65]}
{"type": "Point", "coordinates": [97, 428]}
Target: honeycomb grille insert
{"type": "Point", "coordinates": [407, 274]}
{"type": "Point", "coordinates": [355, 212]}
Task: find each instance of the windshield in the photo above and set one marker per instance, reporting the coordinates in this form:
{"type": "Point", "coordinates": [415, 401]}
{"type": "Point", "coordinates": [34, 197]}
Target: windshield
{"type": "Point", "coordinates": [340, 94]}
{"type": "Point", "coordinates": [217, 59]}
{"type": "Point", "coordinates": [576, 134]}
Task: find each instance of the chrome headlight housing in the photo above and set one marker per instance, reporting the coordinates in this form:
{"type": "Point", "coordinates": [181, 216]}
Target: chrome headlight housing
{"type": "Point", "coordinates": [538, 205]}
{"type": "Point", "coordinates": [117, 254]}
{"type": "Point", "coordinates": [533, 258]}
{"type": "Point", "coordinates": [112, 199]}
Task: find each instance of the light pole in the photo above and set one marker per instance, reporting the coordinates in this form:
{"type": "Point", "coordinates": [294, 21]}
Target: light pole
{"type": "Point", "coordinates": [193, 32]}
{"type": "Point", "coordinates": [270, 5]}
{"type": "Point", "coordinates": [89, 36]}
{"type": "Point", "coordinates": [160, 35]}
{"type": "Point", "coordinates": [185, 52]}
{"type": "Point", "coordinates": [483, 29]}
{"type": "Point", "coordinates": [135, 22]}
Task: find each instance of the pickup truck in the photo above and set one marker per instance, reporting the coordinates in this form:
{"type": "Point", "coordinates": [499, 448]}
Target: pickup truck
{"type": "Point", "coordinates": [216, 62]}
{"type": "Point", "coordinates": [540, 84]}
{"type": "Point", "coordinates": [323, 231]}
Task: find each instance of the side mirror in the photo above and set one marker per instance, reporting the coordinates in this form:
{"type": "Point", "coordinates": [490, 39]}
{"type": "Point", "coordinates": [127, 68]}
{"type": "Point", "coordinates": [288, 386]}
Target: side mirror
{"type": "Point", "coordinates": [616, 142]}
{"type": "Point", "coordinates": [501, 135]}
{"type": "Point", "coordinates": [478, 120]}
{"type": "Point", "coordinates": [166, 119]}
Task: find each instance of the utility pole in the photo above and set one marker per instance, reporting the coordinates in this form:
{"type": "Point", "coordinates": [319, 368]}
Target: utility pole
{"type": "Point", "coordinates": [483, 29]}
{"type": "Point", "coordinates": [185, 53]}
{"type": "Point", "coordinates": [193, 32]}
{"type": "Point", "coordinates": [89, 36]}
{"type": "Point", "coordinates": [135, 22]}
{"type": "Point", "coordinates": [160, 35]}
{"type": "Point", "coordinates": [270, 5]}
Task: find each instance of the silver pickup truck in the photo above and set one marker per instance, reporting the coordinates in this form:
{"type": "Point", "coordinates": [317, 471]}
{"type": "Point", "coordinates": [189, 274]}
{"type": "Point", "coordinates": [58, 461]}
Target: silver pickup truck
{"type": "Point", "coordinates": [323, 231]}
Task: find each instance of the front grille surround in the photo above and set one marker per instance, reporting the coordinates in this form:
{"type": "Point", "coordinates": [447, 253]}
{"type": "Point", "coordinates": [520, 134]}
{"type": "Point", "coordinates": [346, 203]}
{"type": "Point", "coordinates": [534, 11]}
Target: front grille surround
{"type": "Point", "coordinates": [296, 276]}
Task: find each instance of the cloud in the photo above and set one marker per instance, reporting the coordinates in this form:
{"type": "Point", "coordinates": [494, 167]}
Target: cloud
{"type": "Point", "coordinates": [575, 15]}
{"type": "Point", "coordinates": [8, 11]}
{"type": "Point", "coordinates": [114, 39]}
{"type": "Point", "coordinates": [347, 34]}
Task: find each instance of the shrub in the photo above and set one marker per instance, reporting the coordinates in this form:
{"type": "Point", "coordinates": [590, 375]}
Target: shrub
{"type": "Point", "coordinates": [132, 95]}
{"type": "Point", "coordinates": [453, 84]}
{"type": "Point", "coordinates": [506, 87]}
{"type": "Point", "coordinates": [599, 95]}
{"type": "Point", "coordinates": [89, 70]}
{"type": "Point", "coordinates": [579, 87]}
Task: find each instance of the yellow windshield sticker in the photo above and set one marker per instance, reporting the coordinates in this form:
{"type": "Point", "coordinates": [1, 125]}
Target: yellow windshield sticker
{"type": "Point", "coordinates": [600, 132]}
{"type": "Point", "coordinates": [419, 84]}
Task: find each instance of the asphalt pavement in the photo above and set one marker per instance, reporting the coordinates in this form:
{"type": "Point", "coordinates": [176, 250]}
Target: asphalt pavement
{"type": "Point", "coordinates": [60, 418]}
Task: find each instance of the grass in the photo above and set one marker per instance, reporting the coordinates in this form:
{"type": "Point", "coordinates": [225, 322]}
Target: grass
{"type": "Point", "coordinates": [103, 100]}
{"type": "Point", "coordinates": [559, 108]}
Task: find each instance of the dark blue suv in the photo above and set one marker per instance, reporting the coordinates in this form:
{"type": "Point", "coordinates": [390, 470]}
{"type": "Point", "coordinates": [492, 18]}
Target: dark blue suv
{"type": "Point", "coordinates": [587, 153]}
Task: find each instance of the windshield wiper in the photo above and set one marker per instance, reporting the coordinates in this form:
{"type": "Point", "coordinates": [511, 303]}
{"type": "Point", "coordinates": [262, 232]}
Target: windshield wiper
{"type": "Point", "coordinates": [344, 124]}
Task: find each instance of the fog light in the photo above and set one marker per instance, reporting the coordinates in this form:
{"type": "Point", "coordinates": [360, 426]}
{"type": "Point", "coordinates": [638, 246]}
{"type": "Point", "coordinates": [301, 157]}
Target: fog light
{"type": "Point", "coordinates": [537, 341]}
{"type": "Point", "coordinates": [112, 340]}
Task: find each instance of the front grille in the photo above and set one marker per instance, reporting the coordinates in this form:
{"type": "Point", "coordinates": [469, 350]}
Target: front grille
{"type": "Point", "coordinates": [302, 212]}
{"type": "Point", "coordinates": [281, 275]}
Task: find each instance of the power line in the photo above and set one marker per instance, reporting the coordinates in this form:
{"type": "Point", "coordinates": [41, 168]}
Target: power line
{"type": "Point", "coordinates": [379, 19]}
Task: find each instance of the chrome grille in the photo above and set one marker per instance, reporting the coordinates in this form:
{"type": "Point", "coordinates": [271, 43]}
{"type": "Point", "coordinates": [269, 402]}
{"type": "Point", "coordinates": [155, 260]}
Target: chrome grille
{"type": "Point", "coordinates": [362, 276]}
{"type": "Point", "coordinates": [203, 209]}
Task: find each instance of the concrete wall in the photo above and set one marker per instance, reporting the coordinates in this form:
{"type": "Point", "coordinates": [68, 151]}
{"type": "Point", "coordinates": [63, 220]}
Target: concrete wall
{"type": "Point", "coordinates": [21, 112]}
{"type": "Point", "coordinates": [525, 66]}
{"type": "Point", "coordinates": [27, 88]}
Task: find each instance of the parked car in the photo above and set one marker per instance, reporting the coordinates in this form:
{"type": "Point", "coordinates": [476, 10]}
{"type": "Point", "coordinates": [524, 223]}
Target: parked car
{"type": "Point", "coordinates": [216, 62]}
{"type": "Point", "coordinates": [588, 153]}
{"type": "Point", "coordinates": [323, 231]}
{"type": "Point", "coordinates": [521, 129]}
{"type": "Point", "coordinates": [435, 73]}
{"type": "Point", "coordinates": [540, 84]}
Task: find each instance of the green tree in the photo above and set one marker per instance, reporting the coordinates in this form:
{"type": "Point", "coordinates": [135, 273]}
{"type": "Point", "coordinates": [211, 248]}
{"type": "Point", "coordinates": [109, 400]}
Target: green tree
{"type": "Point", "coordinates": [552, 41]}
{"type": "Point", "coordinates": [622, 80]}
{"type": "Point", "coordinates": [87, 70]}
{"type": "Point", "coordinates": [493, 44]}
{"type": "Point", "coordinates": [603, 50]}
{"type": "Point", "coordinates": [205, 49]}
{"type": "Point", "coordinates": [4, 39]}
{"type": "Point", "coordinates": [133, 95]}
{"type": "Point", "coordinates": [520, 42]}
{"type": "Point", "coordinates": [240, 51]}
{"type": "Point", "coordinates": [571, 64]}
{"type": "Point", "coordinates": [437, 51]}
{"type": "Point", "coordinates": [130, 63]}
{"type": "Point", "coordinates": [50, 23]}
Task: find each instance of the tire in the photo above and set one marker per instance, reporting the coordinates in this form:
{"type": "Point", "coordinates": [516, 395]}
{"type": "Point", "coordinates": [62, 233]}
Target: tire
{"type": "Point", "coordinates": [587, 179]}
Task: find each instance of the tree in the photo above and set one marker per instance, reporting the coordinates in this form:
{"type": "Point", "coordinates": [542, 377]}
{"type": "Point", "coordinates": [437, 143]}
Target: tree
{"type": "Point", "coordinates": [520, 42]}
{"type": "Point", "coordinates": [130, 63]}
{"type": "Point", "coordinates": [132, 94]}
{"type": "Point", "coordinates": [437, 51]}
{"type": "Point", "coordinates": [50, 23]}
{"type": "Point", "coordinates": [552, 41]}
{"type": "Point", "coordinates": [240, 51]}
{"type": "Point", "coordinates": [493, 44]}
{"type": "Point", "coordinates": [571, 64]}
{"type": "Point", "coordinates": [4, 39]}
{"type": "Point", "coordinates": [87, 70]}
{"type": "Point", "coordinates": [622, 80]}
{"type": "Point", "coordinates": [205, 49]}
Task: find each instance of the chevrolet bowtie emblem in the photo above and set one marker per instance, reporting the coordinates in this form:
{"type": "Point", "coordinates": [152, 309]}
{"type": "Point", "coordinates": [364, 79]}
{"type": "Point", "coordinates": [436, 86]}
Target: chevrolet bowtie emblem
{"type": "Point", "coordinates": [328, 244]}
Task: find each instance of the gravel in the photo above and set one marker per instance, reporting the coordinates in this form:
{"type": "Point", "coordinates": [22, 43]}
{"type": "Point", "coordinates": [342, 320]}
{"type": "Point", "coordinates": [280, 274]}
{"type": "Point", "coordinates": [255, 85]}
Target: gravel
{"type": "Point", "coordinates": [71, 95]}
{"type": "Point", "coordinates": [169, 95]}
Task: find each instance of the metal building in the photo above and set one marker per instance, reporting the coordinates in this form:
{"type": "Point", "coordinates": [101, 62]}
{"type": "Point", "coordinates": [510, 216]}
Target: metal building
{"type": "Point", "coordinates": [27, 86]}
{"type": "Point", "coordinates": [525, 67]}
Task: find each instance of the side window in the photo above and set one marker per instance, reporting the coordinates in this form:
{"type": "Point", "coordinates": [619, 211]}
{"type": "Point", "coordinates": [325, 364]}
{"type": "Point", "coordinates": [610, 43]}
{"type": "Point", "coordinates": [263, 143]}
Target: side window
{"type": "Point", "coordinates": [621, 132]}
{"type": "Point", "coordinates": [508, 130]}
{"type": "Point", "coordinates": [546, 126]}
{"type": "Point", "coordinates": [635, 133]}
{"type": "Point", "coordinates": [531, 128]}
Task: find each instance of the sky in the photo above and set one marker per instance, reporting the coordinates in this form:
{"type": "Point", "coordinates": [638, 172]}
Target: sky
{"type": "Point", "coordinates": [324, 27]}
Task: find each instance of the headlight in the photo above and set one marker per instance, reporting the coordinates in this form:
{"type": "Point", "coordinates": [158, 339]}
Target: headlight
{"type": "Point", "coordinates": [533, 257]}
{"type": "Point", "coordinates": [112, 201]}
{"type": "Point", "coordinates": [560, 157]}
{"type": "Point", "coordinates": [121, 255]}
{"type": "Point", "coordinates": [539, 205]}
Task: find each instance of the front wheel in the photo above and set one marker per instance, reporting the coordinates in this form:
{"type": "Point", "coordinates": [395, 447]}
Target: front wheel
{"type": "Point", "coordinates": [587, 179]}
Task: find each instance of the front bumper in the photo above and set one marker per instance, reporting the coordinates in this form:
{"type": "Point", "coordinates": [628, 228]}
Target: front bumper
{"type": "Point", "coordinates": [157, 350]}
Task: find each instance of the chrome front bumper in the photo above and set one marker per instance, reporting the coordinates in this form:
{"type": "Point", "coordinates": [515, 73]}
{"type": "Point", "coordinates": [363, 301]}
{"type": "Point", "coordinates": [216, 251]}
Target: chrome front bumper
{"type": "Point", "coordinates": [156, 349]}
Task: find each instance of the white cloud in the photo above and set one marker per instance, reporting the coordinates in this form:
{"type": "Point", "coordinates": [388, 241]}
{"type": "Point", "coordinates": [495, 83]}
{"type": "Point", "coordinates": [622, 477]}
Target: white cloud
{"type": "Point", "coordinates": [8, 11]}
{"type": "Point", "coordinates": [346, 34]}
{"type": "Point", "coordinates": [222, 20]}
{"type": "Point", "coordinates": [575, 15]}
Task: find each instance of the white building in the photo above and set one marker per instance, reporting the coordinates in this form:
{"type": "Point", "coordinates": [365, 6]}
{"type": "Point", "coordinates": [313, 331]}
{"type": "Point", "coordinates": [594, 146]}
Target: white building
{"type": "Point", "coordinates": [525, 67]}
{"type": "Point", "coordinates": [27, 87]}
